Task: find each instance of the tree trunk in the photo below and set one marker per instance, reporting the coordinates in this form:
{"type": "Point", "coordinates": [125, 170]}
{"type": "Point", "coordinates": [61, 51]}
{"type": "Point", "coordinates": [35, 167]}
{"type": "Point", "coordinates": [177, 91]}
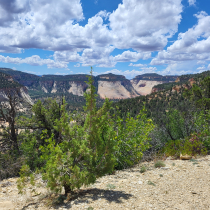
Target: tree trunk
{"type": "Point", "coordinates": [14, 138]}
{"type": "Point", "coordinates": [67, 189]}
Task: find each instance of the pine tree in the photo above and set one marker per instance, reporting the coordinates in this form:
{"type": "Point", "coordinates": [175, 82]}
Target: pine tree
{"type": "Point", "coordinates": [86, 151]}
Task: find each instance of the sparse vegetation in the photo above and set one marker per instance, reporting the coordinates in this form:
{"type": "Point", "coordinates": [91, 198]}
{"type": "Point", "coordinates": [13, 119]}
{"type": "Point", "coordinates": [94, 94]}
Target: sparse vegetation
{"type": "Point", "coordinates": [151, 183]}
{"type": "Point", "coordinates": [110, 186]}
{"type": "Point", "coordinates": [159, 164]}
{"type": "Point", "coordinates": [143, 169]}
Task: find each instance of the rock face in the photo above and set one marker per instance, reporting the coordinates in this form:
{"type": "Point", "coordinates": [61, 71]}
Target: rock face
{"type": "Point", "coordinates": [113, 90]}
{"type": "Point", "coordinates": [23, 94]}
{"type": "Point", "coordinates": [143, 84]}
{"type": "Point", "coordinates": [115, 87]}
{"type": "Point", "coordinates": [7, 83]}
{"type": "Point", "coordinates": [144, 87]}
{"type": "Point", "coordinates": [77, 88]}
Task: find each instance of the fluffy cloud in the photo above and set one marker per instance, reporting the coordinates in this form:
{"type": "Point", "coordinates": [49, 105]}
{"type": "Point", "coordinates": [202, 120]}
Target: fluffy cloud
{"type": "Point", "coordinates": [145, 25]}
{"type": "Point", "coordinates": [36, 24]}
{"type": "Point", "coordinates": [137, 65]}
{"type": "Point", "coordinates": [141, 25]}
{"type": "Point", "coordinates": [191, 2]}
{"type": "Point", "coordinates": [77, 65]}
{"type": "Point", "coordinates": [34, 60]}
{"type": "Point", "coordinates": [201, 62]}
{"type": "Point", "coordinates": [98, 56]}
{"type": "Point", "coordinates": [203, 68]}
{"type": "Point", "coordinates": [128, 56]}
{"type": "Point", "coordinates": [179, 68]}
{"type": "Point", "coordinates": [149, 69]}
{"type": "Point", "coordinates": [194, 44]}
{"type": "Point", "coordinates": [66, 56]}
{"type": "Point", "coordinates": [172, 69]}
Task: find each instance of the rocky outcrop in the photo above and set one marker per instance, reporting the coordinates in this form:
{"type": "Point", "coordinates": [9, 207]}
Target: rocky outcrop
{"type": "Point", "coordinates": [113, 90]}
{"type": "Point", "coordinates": [22, 92]}
{"type": "Point", "coordinates": [77, 88]}
{"type": "Point", "coordinates": [115, 87]}
{"type": "Point", "coordinates": [143, 84]}
{"type": "Point", "coordinates": [144, 87]}
{"type": "Point", "coordinates": [26, 96]}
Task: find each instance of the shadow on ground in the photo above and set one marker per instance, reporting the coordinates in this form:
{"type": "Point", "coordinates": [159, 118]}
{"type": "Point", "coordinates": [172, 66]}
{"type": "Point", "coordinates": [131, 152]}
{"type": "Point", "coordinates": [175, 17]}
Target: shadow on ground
{"type": "Point", "coordinates": [84, 196]}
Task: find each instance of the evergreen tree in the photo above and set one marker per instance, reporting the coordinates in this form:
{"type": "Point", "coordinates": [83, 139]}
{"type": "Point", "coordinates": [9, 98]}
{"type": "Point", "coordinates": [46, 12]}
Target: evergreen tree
{"type": "Point", "coordinates": [85, 153]}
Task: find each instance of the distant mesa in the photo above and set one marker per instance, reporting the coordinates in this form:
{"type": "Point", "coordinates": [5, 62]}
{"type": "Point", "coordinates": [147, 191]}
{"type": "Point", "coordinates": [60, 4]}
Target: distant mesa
{"type": "Point", "coordinates": [107, 85]}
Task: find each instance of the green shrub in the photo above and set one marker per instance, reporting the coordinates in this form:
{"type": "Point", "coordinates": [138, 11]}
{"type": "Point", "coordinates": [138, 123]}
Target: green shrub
{"type": "Point", "coordinates": [192, 145]}
{"type": "Point", "coordinates": [193, 160]}
{"type": "Point", "coordinates": [143, 169]}
{"type": "Point", "coordinates": [159, 164]}
{"type": "Point", "coordinates": [29, 149]}
{"type": "Point", "coordinates": [132, 136]}
{"type": "Point", "coordinates": [110, 186]}
{"type": "Point", "coordinates": [10, 165]}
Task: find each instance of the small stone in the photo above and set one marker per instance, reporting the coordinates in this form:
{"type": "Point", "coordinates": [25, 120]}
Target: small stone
{"type": "Point", "coordinates": [140, 182]}
{"type": "Point", "coordinates": [165, 168]}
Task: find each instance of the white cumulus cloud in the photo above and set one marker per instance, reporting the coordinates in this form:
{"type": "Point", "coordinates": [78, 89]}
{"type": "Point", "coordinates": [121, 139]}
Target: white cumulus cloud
{"type": "Point", "coordinates": [34, 60]}
{"type": "Point", "coordinates": [194, 44]}
{"type": "Point", "coordinates": [145, 25]}
{"type": "Point", "coordinates": [77, 65]}
{"type": "Point", "coordinates": [137, 65]}
{"type": "Point", "coordinates": [140, 25]}
{"type": "Point", "coordinates": [191, 2]}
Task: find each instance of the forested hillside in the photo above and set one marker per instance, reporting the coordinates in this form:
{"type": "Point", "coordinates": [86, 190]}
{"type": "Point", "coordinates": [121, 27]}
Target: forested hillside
{"type": "Point", "coordinates": [181, 80]}
{"type": "Point", "coordinates": [6, 81]}
{"type": "Point", "coordinates": [156, 77]}
{"type": "Point", "coordinates": [164, 97]}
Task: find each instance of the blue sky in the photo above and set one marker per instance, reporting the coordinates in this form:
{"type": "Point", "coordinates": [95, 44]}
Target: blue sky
{"type": "Point", "coordinates": [128, 37]}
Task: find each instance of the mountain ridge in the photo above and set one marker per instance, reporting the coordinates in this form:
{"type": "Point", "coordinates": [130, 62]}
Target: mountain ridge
{"type": "Point", "coordinates": [107, 85]}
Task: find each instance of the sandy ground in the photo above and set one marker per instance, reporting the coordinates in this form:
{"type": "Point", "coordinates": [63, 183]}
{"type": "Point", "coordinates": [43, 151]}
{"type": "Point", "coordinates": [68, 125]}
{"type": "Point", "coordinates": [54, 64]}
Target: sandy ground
{"type": "Point", "coordinates": [183, 185]}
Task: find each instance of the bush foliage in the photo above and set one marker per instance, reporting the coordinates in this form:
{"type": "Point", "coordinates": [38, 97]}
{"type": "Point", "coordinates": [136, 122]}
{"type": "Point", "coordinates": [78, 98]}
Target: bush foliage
{"type": "Point", "coordinates": [74, 151]}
